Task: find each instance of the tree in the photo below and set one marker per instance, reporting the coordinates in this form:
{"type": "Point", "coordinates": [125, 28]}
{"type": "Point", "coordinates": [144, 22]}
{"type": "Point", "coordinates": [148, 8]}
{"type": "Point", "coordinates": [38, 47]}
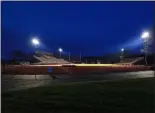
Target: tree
{"type": "Point", "coordinates": [18, 54]}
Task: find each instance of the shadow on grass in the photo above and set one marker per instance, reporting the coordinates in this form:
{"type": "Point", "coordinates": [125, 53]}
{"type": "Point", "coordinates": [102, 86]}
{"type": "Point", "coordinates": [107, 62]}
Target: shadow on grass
{"type": "Point", "coordinates": [128, 96]}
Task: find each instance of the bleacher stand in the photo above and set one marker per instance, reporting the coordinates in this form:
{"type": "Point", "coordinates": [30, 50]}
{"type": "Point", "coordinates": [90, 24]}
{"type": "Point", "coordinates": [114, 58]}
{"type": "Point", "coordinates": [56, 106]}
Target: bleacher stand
{"type": "Point", "coordinates": [48, 58]}
{"type": "Point", "coordinates": [130, 61]}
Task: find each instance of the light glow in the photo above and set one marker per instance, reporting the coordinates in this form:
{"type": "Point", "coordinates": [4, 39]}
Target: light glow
{"type": "Point", "coordinates": [35, 41]}
{"type": "Point", "coordinates": [60, 50]}
{"type": "Point", "coordinates": [122, 49]}
{"type": "Point", "coordinates": [145, 35]}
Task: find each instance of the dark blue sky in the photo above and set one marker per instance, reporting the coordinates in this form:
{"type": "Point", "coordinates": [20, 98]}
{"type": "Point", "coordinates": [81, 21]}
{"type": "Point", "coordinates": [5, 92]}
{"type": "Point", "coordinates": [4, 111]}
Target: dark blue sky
{"type": "Point", "coordinates": [93, 28]}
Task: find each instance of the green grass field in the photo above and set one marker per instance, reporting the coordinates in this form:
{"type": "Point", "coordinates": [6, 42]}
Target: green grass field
{"type": "Point", "coordinates": [128, 96]}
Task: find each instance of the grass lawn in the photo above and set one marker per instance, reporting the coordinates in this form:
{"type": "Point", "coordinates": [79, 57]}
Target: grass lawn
{"type": "Point", "coordinates": [128, 96]}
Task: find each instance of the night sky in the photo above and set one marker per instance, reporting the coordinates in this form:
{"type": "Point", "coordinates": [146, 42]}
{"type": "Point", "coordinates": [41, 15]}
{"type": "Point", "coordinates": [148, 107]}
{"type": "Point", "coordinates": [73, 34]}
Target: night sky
{"type": "Point", "coordinates": [92, 28]}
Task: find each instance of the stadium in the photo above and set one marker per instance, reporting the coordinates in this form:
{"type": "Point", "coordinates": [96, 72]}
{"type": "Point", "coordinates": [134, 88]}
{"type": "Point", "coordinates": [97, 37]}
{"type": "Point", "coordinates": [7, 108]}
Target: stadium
{"type": "Point", "coordinates": [46, 61]}
{"type": "Point", "coordinates": [77, 57]}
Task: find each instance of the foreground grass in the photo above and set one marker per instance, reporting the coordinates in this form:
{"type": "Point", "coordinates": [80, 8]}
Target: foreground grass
{"type": "Point", "coordinates": [129, 96]}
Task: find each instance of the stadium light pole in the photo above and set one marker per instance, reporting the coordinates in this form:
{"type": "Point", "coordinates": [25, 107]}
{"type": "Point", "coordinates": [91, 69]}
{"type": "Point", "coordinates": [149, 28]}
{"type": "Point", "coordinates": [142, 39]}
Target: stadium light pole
{"type": "Point", "coordinates": [35, 42]}
{"type": "Point", "coordinates": [145, 36]}
{"type": "Point", "coordinates": [122, 54]}
{"type": "Point", "coordinates": [122, 50]}
{"type": "Point", "coordinates": [60, 51]}
{"type": "Point", "coordinates": [69, 55]}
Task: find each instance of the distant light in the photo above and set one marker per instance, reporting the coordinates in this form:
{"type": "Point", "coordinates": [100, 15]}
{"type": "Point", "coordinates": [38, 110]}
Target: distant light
{"type": "Point", "coordinates": [122, 49]}
{"type": "Point", "coordinates": [35, 41]}
{"type": "Point", "coordinates": [145, 35]}
{"type": "Point", "coordinates": [60, 50]}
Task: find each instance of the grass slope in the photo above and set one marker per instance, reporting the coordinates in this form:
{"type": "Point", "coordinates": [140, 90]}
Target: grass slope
{"type": "Point", "coordinates": [129, 96]}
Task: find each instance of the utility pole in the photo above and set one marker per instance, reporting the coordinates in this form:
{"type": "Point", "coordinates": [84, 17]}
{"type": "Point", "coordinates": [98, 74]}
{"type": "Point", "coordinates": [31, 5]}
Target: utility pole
{"type": "Point", "coordinates": [69, 56]}
{"type": "Point", "coordinates": [80, 56]}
